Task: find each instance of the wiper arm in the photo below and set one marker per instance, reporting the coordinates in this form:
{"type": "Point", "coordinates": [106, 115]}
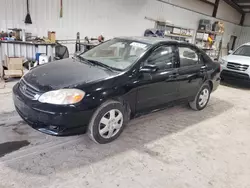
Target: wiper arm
{"type": "Point", "coordinates": [83, 59]}
{"type": "Point", "coordinates": [94, 62]}
{"type": "Point", "coordinates": [101, 64]}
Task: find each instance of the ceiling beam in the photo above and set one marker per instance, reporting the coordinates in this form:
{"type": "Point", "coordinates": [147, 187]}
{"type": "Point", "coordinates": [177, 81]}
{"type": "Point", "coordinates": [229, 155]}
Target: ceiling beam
{"type": "Point", "coordinates": [216, 5]}
{"type": "Point", "coordinates": [244, 6]}
{"type": "Point", "coordinates": [242, 1]}
{"type": "Point", "coordinates": [234, 5]}
{"type": "Point", "coordinates": [208, 2]}
{"type": "Point", "coordinates": [242, 20]}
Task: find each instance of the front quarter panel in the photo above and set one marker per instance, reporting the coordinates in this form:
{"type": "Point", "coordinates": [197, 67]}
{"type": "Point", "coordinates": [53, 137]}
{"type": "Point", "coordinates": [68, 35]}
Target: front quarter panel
{"type": "Point", "coordinates": [117, 88]}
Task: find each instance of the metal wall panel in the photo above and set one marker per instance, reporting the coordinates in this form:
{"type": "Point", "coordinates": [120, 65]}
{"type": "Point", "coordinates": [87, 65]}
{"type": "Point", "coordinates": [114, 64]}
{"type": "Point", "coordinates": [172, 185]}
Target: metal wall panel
{"type": "Point", "coordinates": [226, 12]}
{"type": "Point", "coordinates": [107, 17]}
{"type": "Point", "coordinates": [244, 36]}
{"type": "Point", "coordinates": [247, 19]}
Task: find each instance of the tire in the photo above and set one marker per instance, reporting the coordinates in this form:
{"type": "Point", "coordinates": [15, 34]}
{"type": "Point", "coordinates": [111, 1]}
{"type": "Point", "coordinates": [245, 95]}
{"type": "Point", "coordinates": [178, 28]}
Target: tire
{"type": "Point", "coordinates": [102, 121]}
{"type": "Point", "coordinates": [197, 104]}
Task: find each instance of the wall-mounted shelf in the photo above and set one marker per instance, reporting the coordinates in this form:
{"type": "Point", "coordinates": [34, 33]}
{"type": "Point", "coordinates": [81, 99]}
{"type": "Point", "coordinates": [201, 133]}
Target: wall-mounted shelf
{"type": "Point", "coordinates": [173, 31]}
{"type": "Point", "coordinates": [208, 32]}
{"type": "Point", "coordinates": [176, 35]}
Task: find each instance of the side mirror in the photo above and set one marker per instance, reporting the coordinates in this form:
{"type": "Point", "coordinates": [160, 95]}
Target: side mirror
{"type": "Point", "coordinates": [230, 51]}
{"type": "Point", "coordinates": [149, 69]}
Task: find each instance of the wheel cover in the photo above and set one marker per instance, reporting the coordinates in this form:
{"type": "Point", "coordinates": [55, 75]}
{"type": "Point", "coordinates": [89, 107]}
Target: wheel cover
{"type": "Point", "coordinates": [203, 98]}
{"type": "Point", "coordinates": [110, 123]}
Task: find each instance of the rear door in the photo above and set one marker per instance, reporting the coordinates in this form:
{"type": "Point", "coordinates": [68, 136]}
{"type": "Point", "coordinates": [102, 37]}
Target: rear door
{"type": "Point", "coordinates": [192, 70]}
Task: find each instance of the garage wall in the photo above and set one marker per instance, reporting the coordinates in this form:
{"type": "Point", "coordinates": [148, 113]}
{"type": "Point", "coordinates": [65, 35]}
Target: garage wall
{"type": "Point", "coordinates": [108, 17]}
{"type": "Point", "coordinates": [245, 31]}
{"type": "Point", "coordinates": [247, 19]}
{"type": "Point", "coordinates": [226, 12]}
{"type": "Point", "coordinates": [113, 17]}
{"type": "Point", "coordinates": [244, 36]}
{"type": "Point", "coordinates": [194, 5]}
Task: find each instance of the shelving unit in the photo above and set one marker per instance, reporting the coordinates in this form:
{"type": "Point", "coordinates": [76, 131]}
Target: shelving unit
{"type": "Point", "coordinates": [176, 35]}
{"type": "Point", "coordinates": [212, 47]}
{"type": "Point", "coordinates": [199, 37]}
{"type": "Point", "coordinates": [175, 32]}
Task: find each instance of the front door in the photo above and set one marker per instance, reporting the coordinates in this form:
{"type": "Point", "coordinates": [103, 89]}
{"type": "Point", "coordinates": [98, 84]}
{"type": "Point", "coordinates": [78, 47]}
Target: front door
{"type": "Point", "coordinates": [160, 87]}
{"type": "Point", "coordinates": [192, 71]}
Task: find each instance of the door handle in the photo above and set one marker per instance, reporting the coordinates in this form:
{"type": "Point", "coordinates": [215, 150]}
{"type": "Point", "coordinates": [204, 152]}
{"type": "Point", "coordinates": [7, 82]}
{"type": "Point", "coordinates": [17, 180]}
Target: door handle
{"type": "Point", "coordinates": [203, 68]}
{"type": "Point", "coordinates": [174, 75]}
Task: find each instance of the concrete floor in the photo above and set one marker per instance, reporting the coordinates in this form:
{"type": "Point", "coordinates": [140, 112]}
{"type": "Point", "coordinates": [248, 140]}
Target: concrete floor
{"type": "Point", "coordinates": [176, 147]}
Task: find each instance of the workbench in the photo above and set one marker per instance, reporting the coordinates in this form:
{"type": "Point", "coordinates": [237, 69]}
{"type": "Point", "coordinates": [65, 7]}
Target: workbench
{"type": "Point", "coordinates": [26, 49]}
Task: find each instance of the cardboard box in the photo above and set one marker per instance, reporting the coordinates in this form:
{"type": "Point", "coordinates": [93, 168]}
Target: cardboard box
{"type": "Point", "coordinates": [14, 63]}
{"type": "Point", "coordinates": [176, 31]}
{"type": "Point", "coordinates": [13, 73]}
{"type": "Point", "coordinates": [52, 36]}
{"type": "Point", "coordinates": [202, 36]}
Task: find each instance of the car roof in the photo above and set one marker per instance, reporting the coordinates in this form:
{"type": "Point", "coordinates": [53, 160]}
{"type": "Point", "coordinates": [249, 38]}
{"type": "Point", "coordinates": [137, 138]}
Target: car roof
{"type": "Point", "coordinates": [246, 44]}
{"type": "Point", "coordinates": [148, 40]}
{"type": "Point", "coordinates": [156, 40]}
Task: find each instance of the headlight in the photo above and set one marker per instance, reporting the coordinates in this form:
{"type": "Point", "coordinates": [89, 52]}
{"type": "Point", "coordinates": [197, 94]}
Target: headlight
{"type": "Point", "coordinates": [62, 96]}
{"type": "Point", "coordinates": [223, 62]}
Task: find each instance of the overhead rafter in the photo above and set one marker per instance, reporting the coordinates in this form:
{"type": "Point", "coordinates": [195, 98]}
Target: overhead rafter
{"type": "Point", "coordinates": [242, 1]}
{"type": "Point", "coordinates": [245, 6]}
{"type": "Point", "coordinates": [242, 20]}
{"type": "Point", "coordinates": [234, 4]}
{"type": "Point", "coordinates": [208, 2]}
{"type": "Point", "coordinates": [216, 5]}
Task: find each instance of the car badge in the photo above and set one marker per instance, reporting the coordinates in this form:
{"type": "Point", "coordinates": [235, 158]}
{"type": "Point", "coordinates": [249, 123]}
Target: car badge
{"type": "Point", "coordinates": [24, 88]}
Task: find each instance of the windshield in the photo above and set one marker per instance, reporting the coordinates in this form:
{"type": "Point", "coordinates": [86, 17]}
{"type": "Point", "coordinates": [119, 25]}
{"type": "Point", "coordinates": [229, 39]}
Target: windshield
{"type": "Point", "coordinates": [117, 53]}
{"type": "Point", "coordinates": [243, 50]}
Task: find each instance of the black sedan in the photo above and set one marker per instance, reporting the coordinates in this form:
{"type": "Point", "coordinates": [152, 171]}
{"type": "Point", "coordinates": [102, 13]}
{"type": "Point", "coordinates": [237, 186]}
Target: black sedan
{"type": "Point", "coordinates": [100, 90]}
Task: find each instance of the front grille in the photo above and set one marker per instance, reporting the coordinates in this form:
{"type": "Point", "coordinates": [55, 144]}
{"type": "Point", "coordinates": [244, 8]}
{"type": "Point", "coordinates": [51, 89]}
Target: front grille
{"type": "Point", "coordinates": [237, 66]}
{"type": "Point", "coordinates": [28, 90]}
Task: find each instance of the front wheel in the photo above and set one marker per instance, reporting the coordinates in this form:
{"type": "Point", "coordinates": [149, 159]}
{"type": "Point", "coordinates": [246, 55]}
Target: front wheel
{"type": "Point", "coordinates": [202, 98]}
{"type": "Point", "coordinates": [107, 123]}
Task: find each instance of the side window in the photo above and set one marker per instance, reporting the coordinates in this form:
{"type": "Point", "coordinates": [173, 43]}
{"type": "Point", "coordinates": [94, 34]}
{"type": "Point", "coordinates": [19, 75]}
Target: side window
{"type": "Point", "coordinates": [188, 57]}
{"type": "Point", "coordinates": [163, 57]}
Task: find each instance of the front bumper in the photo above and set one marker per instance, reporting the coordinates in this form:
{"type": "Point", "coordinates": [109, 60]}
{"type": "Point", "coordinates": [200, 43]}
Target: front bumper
{"type": "Point", "coordinates": [226, 74]}
{"type": "Point", "coordinates": [58, 121]}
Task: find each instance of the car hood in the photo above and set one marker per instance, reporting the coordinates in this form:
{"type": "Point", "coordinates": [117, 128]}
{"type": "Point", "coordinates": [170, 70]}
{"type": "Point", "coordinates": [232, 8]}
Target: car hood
{"type": "Point", "coordinates": [237, 59]}
{"type": "Point", "coordinates": [65, 73]}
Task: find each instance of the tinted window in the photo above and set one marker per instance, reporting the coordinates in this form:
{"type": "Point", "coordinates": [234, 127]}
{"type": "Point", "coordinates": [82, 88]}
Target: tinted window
{"type": "Point", "coordinates": [162, 57]}
{"type": "Point", "coordinates": [188, 57]}
{"type": "Point", "coordinates": [243, 50]}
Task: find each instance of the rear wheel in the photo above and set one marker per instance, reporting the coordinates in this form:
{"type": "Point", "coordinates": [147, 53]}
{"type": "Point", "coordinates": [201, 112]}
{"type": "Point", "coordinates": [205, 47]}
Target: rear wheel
{"type": "Point", "coordinates": [202, 98]}
{"type": "Point", "coordinates": [107, 123]}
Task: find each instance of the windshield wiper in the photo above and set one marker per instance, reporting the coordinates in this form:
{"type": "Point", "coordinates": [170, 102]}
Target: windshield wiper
{"type": "Point", "coordinates": [83, 59]}
{"type": "Point", "coordinates": [94, 62]}
{"type": "Point", "coordinates": [101, 64]}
